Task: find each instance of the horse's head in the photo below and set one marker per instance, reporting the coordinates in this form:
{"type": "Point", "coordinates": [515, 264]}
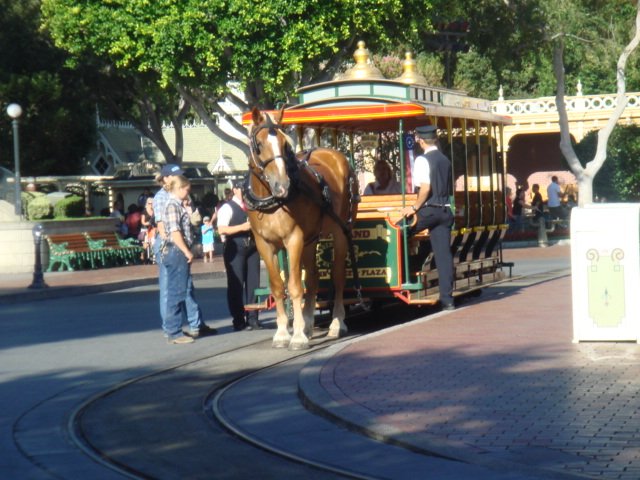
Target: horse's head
{"type": "Point", "coordinates": [270, 152]}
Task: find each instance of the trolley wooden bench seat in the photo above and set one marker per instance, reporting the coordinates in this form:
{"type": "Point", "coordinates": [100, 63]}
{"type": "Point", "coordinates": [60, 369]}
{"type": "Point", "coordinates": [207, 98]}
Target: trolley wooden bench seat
{"type": "Point", "coordinates": [475, 249]}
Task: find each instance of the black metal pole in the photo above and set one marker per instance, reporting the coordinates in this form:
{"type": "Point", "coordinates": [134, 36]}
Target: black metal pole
{"type": "Point", "coordinates": [38, 278]}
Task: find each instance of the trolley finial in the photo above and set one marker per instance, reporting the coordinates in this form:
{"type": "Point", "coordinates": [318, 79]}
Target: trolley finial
{"type": "Point", "coordinates": [410, 74]}
{"type": "Point", "coordinates": [363, 69]}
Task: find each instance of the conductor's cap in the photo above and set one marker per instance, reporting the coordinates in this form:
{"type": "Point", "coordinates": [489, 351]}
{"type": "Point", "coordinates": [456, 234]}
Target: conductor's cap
{"type": "Point", "coordinates": [427, 132]}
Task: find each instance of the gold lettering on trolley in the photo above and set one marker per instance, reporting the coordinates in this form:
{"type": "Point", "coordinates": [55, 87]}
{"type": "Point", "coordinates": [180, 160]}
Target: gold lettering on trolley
{"type": "Point", "coordinates": [363, 253]}
{"type": "Point", "coordinates": [379, 231]}
{"type": "Point", "coordinates": [321, 254]}
{"type": "Point", "coordinates": [375, 272]}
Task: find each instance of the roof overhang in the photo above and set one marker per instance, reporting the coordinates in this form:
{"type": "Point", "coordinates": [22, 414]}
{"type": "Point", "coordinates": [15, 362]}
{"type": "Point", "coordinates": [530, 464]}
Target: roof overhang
{"type": "Point", "coordinates": [375, 115]}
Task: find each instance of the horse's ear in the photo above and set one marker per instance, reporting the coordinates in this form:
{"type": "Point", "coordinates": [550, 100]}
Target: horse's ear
{"type": "Point", "coordinates": [256, 116]}
{"type": "Point", "coordinates": [280, 115]}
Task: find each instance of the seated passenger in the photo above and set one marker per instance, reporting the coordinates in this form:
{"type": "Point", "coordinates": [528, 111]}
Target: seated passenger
{"type": "Point", "coordinates": [385, 184]}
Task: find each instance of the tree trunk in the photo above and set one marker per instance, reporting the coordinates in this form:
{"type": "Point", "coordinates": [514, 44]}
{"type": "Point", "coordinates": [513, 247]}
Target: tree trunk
{"type": "Point", "coordinates": [202, 108]}
{"type": "Point", "coordinates": [585, 175]}
{"type": "Point", "coordinates": [585, 190]}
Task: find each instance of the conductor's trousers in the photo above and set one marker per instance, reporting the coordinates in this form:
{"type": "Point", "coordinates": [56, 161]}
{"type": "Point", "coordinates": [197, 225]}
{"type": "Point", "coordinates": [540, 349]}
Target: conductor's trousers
{"type": "Point", "coordinates": [439, 219]}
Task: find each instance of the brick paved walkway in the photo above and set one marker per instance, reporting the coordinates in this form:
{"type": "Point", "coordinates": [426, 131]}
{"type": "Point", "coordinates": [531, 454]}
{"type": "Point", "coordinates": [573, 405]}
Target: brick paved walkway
{"type": "Point", "coordinates": [501, 382]}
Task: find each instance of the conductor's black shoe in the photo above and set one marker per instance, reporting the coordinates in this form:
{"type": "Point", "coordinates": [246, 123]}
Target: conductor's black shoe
{"type": "Point", "coordinates": [204, 331]}
{"type": "Point", "coordinates": [448, 307]}
{"type": "Point", "coordinates": [239, 326]}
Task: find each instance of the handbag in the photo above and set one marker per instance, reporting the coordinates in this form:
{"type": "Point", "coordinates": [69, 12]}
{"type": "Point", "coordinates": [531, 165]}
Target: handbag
{"type": "Point", "coordinates": [195, 218]}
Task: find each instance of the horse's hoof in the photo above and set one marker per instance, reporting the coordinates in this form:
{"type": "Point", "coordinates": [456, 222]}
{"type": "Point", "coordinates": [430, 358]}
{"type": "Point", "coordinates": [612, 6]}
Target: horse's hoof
{"type": "Point", "coordinates": [279, 344]}
{"type": "Point", "coordinates": [336, 333]}
{"type": "Point", "coordinates": [294, 346]}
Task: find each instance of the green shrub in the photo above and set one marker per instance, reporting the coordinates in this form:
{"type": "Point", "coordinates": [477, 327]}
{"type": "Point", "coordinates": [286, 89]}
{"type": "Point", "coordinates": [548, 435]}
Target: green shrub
{"type": "Point", "coordinates": [39, 208]}
{"type": "Point", "coordinates": [26, 198]}
{"type": "Point", "coordinates": [69, 207]}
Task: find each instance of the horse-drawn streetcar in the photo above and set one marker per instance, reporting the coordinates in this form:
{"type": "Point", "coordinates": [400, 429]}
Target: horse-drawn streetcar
{"type": "Point", "coordinates": [384, 258]}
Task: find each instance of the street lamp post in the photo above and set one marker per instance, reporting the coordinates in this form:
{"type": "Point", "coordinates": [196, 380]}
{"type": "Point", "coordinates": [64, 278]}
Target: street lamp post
{"type": "Point", "coordinates": [450, 39]}
{"type": "Point", "coordinates": [14, 111]}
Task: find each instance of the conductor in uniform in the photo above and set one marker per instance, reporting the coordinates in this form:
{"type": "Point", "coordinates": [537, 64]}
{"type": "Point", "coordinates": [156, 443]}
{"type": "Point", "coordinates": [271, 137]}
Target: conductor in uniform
{"type": "Point", "coordinates": [241, 260]}
{"type": "Point", "coordinates": [432, 175]}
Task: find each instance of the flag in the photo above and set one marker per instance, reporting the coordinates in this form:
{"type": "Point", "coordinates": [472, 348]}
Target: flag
{"type": "Point", "coordinates": [408, 142]}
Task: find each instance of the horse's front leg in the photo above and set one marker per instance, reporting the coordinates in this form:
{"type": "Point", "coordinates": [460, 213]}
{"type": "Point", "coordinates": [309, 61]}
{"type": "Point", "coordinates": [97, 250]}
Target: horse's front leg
{"type": "Point", "coordinates": [299, 340]}
{"type": "Point", "coordinates": [269, 255]}
{"type": "Point", "coordinates": [311, 287]}
{"type": "Point", "coordinates": [338, 328]}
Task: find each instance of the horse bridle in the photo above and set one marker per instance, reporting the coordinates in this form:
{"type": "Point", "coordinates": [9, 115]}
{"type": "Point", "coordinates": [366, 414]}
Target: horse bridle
{"type": "Point", "coordinates": [287, 155]}
{"type": "Point", "coordinates": [255, 146]}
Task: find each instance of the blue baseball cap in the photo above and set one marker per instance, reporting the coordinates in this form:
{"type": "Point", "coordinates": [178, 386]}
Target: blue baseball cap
{"type": "Point", "coordinates": [171, 169]}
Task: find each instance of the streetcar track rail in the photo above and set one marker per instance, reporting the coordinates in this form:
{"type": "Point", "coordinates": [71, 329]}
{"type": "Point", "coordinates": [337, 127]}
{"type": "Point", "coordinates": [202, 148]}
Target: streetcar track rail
{"type": "Point", "coordinates": [210, 403]}
{"type": "Point", "coordinates": [80, 439]}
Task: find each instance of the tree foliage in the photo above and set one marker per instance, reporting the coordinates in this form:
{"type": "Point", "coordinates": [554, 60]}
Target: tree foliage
{"type": "Point", "coordinates": [56, 126]}
{"type": "Point", "coordinates": [585, 174]}
{"type": "Point", "coordinates": [152, 61]}
{"type": "Point", "coordinates": [197, 47]}
{"type": "Point", "coordinates": [510, 44]}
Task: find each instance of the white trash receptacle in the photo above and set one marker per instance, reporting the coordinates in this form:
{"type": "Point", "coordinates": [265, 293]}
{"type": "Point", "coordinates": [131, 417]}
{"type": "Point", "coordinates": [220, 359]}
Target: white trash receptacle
{"type": "Point", "coordinates": [605, 268]}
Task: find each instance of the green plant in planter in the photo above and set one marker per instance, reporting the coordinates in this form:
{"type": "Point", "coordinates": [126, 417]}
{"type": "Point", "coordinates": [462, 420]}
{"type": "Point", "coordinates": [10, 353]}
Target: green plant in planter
{"type": "Point", "coordinates": [69, 207]}
{"type": "Point", "coordinates": [39, 208]}
{"type": "Point", "coordinates": [26, 198]}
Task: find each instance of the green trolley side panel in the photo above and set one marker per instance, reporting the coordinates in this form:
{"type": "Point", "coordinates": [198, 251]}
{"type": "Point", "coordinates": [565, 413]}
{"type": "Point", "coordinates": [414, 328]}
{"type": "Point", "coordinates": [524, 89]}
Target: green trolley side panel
{"type": "Point", "coordinates": [377, 246]}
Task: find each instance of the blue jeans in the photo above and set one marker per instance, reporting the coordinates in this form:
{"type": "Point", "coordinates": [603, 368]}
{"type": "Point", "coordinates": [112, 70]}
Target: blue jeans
{"type": "Point", "coordinates": [192, 312]}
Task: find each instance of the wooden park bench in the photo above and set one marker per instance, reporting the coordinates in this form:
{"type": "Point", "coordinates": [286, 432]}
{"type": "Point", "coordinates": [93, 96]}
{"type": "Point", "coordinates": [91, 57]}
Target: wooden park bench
{"type": "Point", "coordinates": [74, 251]}
{"type": "Point", "coordinates": [69, 250]}
{"type": "Point", "coordinates": [112, 250]}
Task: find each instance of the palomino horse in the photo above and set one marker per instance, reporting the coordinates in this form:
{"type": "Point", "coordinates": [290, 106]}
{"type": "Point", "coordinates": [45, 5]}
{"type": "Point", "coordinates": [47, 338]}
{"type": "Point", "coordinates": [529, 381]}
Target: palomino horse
{"type": "Point", "coordinates": [293, 201]}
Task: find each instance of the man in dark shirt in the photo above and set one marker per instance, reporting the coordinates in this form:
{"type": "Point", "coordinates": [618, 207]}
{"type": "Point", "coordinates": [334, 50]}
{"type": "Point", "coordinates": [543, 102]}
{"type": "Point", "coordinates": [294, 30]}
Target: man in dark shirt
{"type": "Point", "coordinates": [537, 205]}
{"type": "Point", "coordinates": [241, 260]}
{"type": "Point", "coordinates": [432, 173]}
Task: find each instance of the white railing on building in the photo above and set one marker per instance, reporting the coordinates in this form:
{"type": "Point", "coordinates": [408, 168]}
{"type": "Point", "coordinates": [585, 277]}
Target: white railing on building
{"type": "Point", "coordinates": [546, 105]}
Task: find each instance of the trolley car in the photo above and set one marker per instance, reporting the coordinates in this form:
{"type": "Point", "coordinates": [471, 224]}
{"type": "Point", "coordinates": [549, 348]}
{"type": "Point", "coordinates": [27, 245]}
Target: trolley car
{"type": "Point", "coordinates": [391, 263]}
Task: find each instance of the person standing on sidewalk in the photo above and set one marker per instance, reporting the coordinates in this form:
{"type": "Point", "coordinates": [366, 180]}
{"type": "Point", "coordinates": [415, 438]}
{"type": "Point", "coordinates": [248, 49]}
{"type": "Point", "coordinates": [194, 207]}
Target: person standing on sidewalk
{"type": "Point", "coordinates": [537, 205]}
{"type": "Point", "coordinates": [432, 173]}
{"type": "Point", "coordinates": [206, 232]}
{"type": "Point", "coordinates": [176, 259]}
{"type": "Point", "coordinates": [197, 328]}
{"type": "Point", "coordinates": [241, 260]}
{"type": "Point", "coordinates": [554, 199]}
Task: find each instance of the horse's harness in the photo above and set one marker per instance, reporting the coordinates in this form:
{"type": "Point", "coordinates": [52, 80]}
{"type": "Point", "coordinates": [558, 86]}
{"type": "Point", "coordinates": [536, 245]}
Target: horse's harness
{"type": "Point", "coordinates": [269, 202]}
{"type": "Point", "coordinates": [294, 166]}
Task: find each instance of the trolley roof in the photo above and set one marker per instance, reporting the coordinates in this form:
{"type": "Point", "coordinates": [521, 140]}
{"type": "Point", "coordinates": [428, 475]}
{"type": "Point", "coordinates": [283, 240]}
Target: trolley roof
{"type": "Point", "coordinates": [363, 100]}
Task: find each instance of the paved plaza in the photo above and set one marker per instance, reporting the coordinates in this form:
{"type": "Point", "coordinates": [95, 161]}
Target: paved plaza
{"type": "Point", "coordinates": [495, 389]}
